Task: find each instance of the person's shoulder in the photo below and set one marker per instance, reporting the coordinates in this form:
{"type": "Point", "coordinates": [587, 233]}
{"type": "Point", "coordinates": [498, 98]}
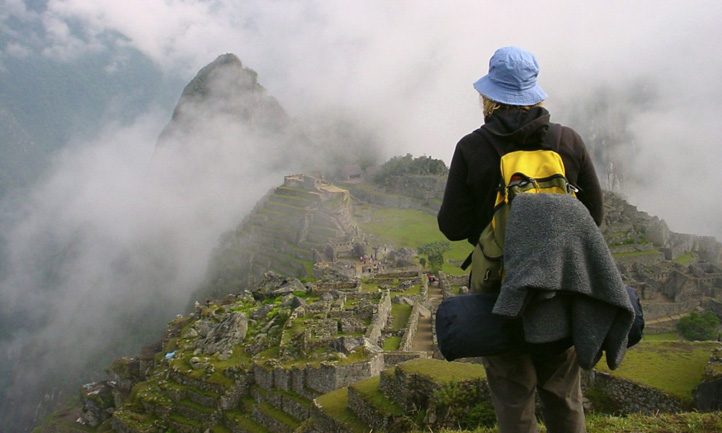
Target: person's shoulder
{"type": "Point", "coordinates": [570, 137]}
{"type": "Point", "coordinates": [475, 135]}
{"type": "Point", "coordinates": [474, 139]}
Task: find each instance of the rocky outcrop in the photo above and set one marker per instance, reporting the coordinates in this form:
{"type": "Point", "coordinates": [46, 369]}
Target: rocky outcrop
{"type": "Point", "coordinates": [221, 338]}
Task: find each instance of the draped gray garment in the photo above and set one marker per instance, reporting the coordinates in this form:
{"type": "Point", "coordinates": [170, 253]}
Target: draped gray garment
{"type": "Point", "coordinates": [562, 279]}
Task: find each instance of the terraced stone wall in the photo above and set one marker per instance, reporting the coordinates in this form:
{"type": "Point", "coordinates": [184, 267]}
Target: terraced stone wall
{"type": "Point", "coordinates": [379, 319]}
{"type": "Point", "coordinates": [667, 309]}
{"type": "Point", "coordinates": [635, 398]}
{"type": "Point", "coordinates": [328, 377]}
{"type": "Point", "coordinates": [411, 326]}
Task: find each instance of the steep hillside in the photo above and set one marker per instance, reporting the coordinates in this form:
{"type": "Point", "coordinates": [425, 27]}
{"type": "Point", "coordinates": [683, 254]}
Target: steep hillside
{"type": "Point", "coordinates": [306, 220]}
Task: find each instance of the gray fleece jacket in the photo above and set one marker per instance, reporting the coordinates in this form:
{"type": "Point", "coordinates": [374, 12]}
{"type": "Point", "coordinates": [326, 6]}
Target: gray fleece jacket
{"type": "Point", "coordinates": [562, 280]}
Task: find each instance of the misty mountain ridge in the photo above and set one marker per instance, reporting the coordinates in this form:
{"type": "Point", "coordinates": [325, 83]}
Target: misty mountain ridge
{"type": "Point", "coordinates": [227, 144]}
{"type": "Point", "coordinates": [231, 141]}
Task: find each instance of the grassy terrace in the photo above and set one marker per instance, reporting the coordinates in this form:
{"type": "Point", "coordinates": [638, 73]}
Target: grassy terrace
{"type": "Point", "coordinates": [372, 287]}
{"type": "Point", "coordinates": [244, 420]}
{"type": "Point", "coordinates": [279, 415]}
{"type": "Point", "coordinates": [443, 371]}
{"type": "Point", "coordinates": [663, 423]}
{"type": "Point", "coordinates": [137, 421]}
{"type": "Point", "coordinates": [335, 405]}
{"type": "Point", "coordinates": [369, 391]}
{"type": "Point", "coordinates": [151, 393]}
{"type": "Point", "coordinates": [295, 397]}
{"type": "Point", "coordinates": [220, 429]}
{"type": "Point", "coordinates": [65, 418]}
{"type": "Point", "coordinates": [675, 367]}
{"type": "Point", "coordinates": [182, 362]}
{"type": "Point", "coordinates": [637, 253]}
{"type": "Point", "coordinates": [401, 313]}
{"type": "Point", "coordinates": [392, 343]}
{"type": "Point", "coordinates": [663, 336]}
{"type": "Point", "coordinates": [413, 228]}
{"type": "Point", "coordinates": [685, 258]}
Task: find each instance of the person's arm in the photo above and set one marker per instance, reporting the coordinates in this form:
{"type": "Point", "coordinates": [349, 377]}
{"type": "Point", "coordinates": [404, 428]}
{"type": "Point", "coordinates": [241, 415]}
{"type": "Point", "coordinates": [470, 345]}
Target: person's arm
{"type": "Point", "coordinates": [591, 190]}
{"type": "Point", "coordinates": [456, 215]}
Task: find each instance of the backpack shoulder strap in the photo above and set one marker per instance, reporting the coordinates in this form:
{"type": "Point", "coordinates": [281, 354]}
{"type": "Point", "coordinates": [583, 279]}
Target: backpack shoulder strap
{"type": "Point", "coordinates": [553, 136]}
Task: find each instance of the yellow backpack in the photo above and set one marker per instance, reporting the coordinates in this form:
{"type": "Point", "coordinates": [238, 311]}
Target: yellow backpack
{"type": "Point", "coordinates": [523, 171]}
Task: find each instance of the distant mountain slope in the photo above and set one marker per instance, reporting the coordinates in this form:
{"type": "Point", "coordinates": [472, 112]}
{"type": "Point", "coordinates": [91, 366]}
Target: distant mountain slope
{"type": "Point", "coordinates": [224, 89]}
{"type": "Point", "coordinates": [292, 227]}
{"type": "Point", "coordinates": [20, 157]}
{"type": "Point", "coordinates": [53, 101]}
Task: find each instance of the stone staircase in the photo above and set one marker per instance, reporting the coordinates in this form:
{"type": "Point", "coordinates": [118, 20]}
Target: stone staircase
{"type": "Point", "coordinates": [410, 396]}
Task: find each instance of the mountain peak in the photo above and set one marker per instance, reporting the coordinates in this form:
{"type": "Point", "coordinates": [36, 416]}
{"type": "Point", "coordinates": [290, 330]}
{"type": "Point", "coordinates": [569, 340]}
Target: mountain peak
{"type": "Point", "coordinates": [226, 91]}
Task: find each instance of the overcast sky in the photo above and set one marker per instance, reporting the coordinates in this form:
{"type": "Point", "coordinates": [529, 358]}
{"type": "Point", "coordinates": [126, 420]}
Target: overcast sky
{"type": "Point", "coordinates": [406, 67]}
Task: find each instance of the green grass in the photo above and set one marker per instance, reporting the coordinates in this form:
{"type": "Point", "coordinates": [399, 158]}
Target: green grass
{"type": "Point", "coordinates": [412, 291]}
{"type": "Point", "coordinates": [335, 405]}
{"type": "Point", "coordinates": [443, 371]}
{"type": "Point", "coordinates": [636, 253]}
{"type": "Point", "coordinates": [401, 313]}
{"type": "Point", "coordinates": [690, 422]}
{"type": "Point", "coordinates": [63, 420]}
{"type": "Point", "coordinates": [369, 391]}
{"type": "Point", "coordinates": [392, 343]}
{"type": "Point", "coordinates": [244, 421]}
{"type": "Point", "coordinates": [137, 421]}
{"type": "Point", "coordinates": [180, 419]}
{"type": "Point", "coordinates": [413, 228]}
{"type": "Point", "coordinates": [672, 366]}
{"type": "Point", "coordinates": [220, 429]}
{"type": "Point", "coordinates": [685, 258]}
{"type": "Point", "coordinates": [295, 397]}
{"type": "Point", "coordinates": [198, 407]}
{"type": "Point", "coordinates": [238, 358]}
{"type": "Point", "coordinates": [279, 415]}
{"type": "Point", "coordinates": [663, 336]}
{"type": "Point", "coordinates": [150, 393]}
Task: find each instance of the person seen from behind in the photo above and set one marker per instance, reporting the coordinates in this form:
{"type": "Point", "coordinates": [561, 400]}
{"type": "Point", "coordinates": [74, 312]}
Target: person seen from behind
{"type": "Point", "coordinates": [512, 107]}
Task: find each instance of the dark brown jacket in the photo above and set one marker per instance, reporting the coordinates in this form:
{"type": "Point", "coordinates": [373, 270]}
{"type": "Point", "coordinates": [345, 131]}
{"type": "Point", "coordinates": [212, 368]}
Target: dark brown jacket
{"type": "Point", "coordinates": [474, 173]}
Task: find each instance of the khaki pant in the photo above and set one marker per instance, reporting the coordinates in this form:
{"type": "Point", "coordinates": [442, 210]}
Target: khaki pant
{"type": "Point", "coordinates": [513, 378]}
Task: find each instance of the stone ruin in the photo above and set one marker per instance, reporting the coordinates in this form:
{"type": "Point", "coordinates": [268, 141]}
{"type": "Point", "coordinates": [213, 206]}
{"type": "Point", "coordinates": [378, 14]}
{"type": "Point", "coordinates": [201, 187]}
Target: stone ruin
{"type": "Point", "coordinates": [256, 360]}
{"type": "Point", "coordinates": [673, 273]}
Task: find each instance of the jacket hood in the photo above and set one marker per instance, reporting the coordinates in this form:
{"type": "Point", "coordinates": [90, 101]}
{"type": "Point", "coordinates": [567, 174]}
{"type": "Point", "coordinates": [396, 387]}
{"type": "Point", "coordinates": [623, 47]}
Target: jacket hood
{"type": "Point", "coordinates": [525, 128]}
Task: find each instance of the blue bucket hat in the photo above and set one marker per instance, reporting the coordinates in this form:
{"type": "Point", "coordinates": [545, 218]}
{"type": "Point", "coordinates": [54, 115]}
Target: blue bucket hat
{"type": "Point", "coordinates": [512, 78]}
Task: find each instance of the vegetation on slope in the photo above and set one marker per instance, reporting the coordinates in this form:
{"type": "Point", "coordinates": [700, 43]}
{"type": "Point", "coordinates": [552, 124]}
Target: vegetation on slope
{"type": "Point", "coordinates": [674, 367]}
{"type": "Point", "coordinates": [413, 228]}
{"type": "Point", "coordinates": [690, 422]}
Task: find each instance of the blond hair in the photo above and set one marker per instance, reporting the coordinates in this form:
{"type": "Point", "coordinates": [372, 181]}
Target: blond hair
{"type": "Point", "coordinates": [489, 107]}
